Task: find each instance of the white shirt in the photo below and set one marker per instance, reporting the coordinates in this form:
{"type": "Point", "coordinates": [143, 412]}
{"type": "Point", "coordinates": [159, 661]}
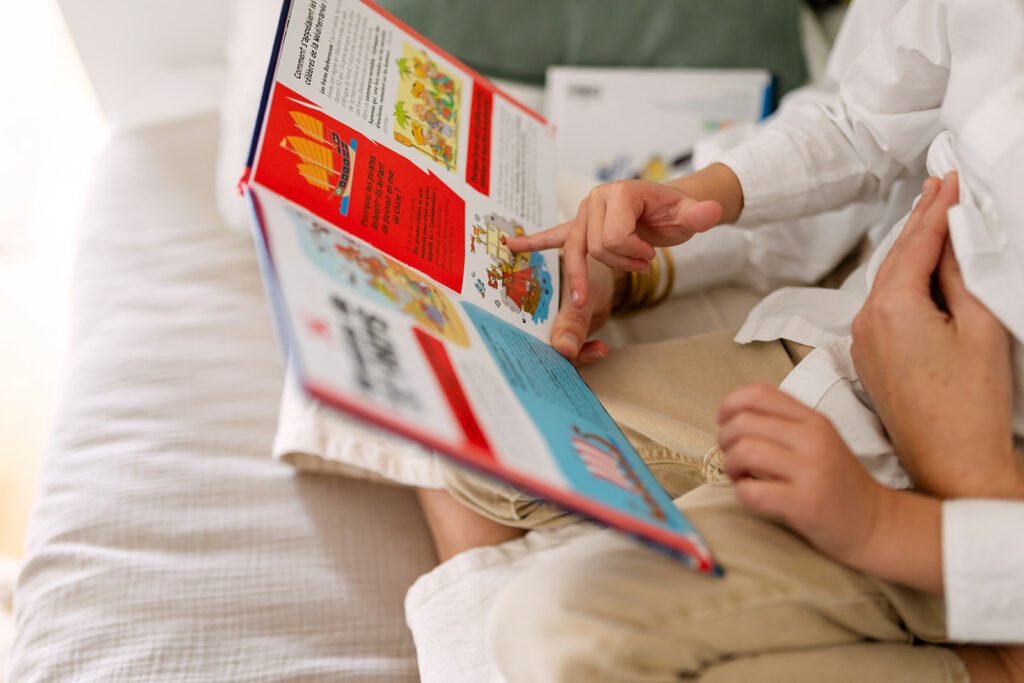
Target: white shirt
{"type": "Point", "coordinates": [939, 86]}
{"type": "Point", "coordinates": [804, 249]}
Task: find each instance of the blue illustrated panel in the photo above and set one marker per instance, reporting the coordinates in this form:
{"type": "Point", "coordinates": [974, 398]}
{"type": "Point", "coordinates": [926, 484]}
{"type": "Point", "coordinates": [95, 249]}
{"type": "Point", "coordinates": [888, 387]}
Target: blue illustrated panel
{"type": "Point", "coordinates": [588, 446]}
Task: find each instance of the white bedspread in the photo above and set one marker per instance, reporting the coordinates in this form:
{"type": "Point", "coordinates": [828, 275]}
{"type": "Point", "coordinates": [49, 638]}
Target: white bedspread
{"type": "Point", "coordinates": [167, 545]}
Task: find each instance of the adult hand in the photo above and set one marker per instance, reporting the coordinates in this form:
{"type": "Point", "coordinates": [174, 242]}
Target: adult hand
{"type": "Point", "coordinates": [619, 224]}
{"type": "Point", "coordinates": [940, 379]}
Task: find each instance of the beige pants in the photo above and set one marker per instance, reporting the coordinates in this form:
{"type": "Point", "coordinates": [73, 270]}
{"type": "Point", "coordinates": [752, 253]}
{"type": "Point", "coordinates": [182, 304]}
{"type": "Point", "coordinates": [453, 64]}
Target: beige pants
{"type": "Point", "coordinates": [607, 609]}
{"type": "Point", "coordinates": [664, 398]}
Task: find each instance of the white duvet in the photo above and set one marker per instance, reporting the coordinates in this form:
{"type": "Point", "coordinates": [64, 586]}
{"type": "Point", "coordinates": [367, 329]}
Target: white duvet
{"type": "Point", "coordinates": [166, 544]}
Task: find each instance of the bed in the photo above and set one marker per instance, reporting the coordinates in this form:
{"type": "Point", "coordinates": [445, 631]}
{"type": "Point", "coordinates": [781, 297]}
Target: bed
{"type": "Point", "coordinates": [166, 544]}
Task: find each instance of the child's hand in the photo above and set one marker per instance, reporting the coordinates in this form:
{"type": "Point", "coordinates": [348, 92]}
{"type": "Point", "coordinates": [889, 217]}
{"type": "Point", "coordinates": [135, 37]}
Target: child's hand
{"type": "Point", "coordinates": [574, 324]}
{"type": "Point", "coordinates": [619, 224]}
{"type": "Point", "coordinates": [788, 462]}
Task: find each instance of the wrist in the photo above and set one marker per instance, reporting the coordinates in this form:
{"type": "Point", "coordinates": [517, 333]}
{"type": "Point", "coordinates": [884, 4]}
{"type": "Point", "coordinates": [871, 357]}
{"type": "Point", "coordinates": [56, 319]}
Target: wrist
{"type": "Point", "coordinates": [904, 541]}
{"type": "Point", "coordinates": [716, 182]}
{"type": "Point", "coordinates": [863, 547]}
{"type": "Point", "coordinates": [1004, 481]}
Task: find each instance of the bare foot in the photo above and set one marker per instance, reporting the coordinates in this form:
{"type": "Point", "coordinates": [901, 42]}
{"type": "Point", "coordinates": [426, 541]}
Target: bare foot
{"type": "Point", "coordinates": [994, 664]}
{"type": "Point", "coordinates": [455, 528]}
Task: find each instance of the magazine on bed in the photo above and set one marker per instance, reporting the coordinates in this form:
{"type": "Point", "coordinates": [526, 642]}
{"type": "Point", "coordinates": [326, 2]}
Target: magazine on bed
{"type": "Point", "coordinates": [384, 178]}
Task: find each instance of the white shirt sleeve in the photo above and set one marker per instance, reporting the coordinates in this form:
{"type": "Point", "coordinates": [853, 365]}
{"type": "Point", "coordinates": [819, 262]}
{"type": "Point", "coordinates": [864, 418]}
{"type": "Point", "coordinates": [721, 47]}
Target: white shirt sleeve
{"type": "Point", "coordinates": [794, 252]}
{"type": "Point", "coordinates": [818, 157]}
{"type": "Point", "coordinates": [983, 558]}
{"type": "Point", "coordinates": [983, 569]}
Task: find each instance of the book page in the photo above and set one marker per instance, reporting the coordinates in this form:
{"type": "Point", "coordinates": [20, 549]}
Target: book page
{"type": "Point", "coordinates": [409, 152]}
{"type": "Point", "coordinates": [386, 180]}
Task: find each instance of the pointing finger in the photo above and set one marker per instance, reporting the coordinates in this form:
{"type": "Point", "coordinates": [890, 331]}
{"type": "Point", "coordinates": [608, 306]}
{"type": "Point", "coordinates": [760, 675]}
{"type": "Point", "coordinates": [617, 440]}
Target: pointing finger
{"type": "Point", "coordinates": [574, 257]}
{"type": "Point", "coordinates": [551, 238]}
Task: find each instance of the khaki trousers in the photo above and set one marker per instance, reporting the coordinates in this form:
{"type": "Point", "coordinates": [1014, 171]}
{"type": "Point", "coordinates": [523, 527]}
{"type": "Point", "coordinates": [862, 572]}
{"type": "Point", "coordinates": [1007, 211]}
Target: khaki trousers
{"type": "Point", "coordinates": [607, 609]}
{"type": "Point", "coordinates": [664, 397]}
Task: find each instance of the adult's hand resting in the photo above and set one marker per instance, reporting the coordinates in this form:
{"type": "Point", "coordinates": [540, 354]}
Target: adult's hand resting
{"type": "Point", "coordinates": [939, 375]}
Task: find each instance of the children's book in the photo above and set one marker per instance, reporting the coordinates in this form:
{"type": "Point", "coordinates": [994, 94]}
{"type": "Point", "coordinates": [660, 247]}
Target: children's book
{"type": "Point", "coordinates": [384, 180]}
{"type": "Point", "coordinates": [617, 124]}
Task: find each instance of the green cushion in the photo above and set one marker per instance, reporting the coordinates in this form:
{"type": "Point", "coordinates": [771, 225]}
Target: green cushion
{"type": "Point", "coordinates": [519, 39]}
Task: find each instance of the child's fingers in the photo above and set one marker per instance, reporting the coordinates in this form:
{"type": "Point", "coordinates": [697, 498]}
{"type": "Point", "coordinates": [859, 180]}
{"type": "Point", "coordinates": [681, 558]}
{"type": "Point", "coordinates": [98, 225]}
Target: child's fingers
{"type": "Point", "coordinates": [551, 238]}
{"type": "Point", "coordinates": [770, 498]}
{"type": "Point", "coordinates": [699, 216]}
{"type": "Point", "coordinates": [592, 351]}
{"type": "Point", "coordinates": [619, 233]}
{"type": "Point", "coordinates": [759, 458]}
{"type": "Point", "coordinates": [597, 210]}
{"type": "Point", "coordinates": [764, 399]}
{"type": "Point", "coordinates": [571, 328]}
{"type": "Point", "coordinates": [747, 424]}
{"type": "Point", "coordinates": [574, 258]}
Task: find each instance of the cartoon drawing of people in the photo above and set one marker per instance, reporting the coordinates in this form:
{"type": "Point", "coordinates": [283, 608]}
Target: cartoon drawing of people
{"type": "Point", "coordinates": [433, 121]}
{"type": "Point", "coordinates": [442, 108]}
{"type": "Point", "coordinates": [520, 280]}
{"type": "Point", "coordinates": [426, 112]}
{"type": "Point", "coordinates": [426, 68]}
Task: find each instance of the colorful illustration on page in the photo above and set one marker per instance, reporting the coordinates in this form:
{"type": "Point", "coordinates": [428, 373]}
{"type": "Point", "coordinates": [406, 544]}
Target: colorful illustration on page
{"type": "Point", "coordinates": [427, 109]}
{"type": "Point", "coordinates": [326, 158]}
{"type": "Point", "coordinates": [520, 282]}
{"type": "Point", "coordinates": [605, 461]}
{"type": "Point", "coordinates": [380, 278]}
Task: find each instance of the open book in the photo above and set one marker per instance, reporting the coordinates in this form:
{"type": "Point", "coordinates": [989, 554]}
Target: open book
{"type": "Point", "coordinates": [384, 178]}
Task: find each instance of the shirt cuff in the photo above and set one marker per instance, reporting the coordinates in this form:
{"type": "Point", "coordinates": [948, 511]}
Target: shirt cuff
{"type": "Point", "coordinates": [772, 177]}
{"type": "Point", "coordinates": [983, 570]}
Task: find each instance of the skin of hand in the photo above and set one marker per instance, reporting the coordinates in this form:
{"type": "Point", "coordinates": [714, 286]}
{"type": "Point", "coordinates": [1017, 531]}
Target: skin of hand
{"type": "Point", "coordinates": [573, 324]}
{"type": "Point", "coordinates": [788, 462]}
{"type": "Point", "coordinates": [940, 380]}
{"type": "Point", "coordinates": [619, 224]}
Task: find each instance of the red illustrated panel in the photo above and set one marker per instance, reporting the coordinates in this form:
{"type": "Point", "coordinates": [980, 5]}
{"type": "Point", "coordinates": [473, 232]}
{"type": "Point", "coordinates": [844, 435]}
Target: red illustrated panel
{"type": "Point", "coordinates": [365, 188]}
{"type": "Point", "coordinates": [478, 162]}
{"type": "Point", "coordinates": [438, 358]}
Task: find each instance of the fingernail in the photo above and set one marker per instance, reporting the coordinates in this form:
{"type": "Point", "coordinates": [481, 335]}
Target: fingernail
{"type": "Point", "coordinates": [929, 186]}
{"type": "Point", "coordinates": [949, 177]}
{"type": "Point", "coordinates": [575, 296]}
{"type": "Point", "coordinates": [572, 339]}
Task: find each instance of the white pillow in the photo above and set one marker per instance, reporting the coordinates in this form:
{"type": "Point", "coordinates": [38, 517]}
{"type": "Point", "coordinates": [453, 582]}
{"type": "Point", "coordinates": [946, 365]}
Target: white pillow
{"type": "Point", "coordinates": [250, 42]}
